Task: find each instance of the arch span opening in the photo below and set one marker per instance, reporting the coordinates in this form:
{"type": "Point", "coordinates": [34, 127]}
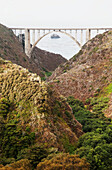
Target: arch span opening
{"type": "Point", "coordinates": [66, 45]}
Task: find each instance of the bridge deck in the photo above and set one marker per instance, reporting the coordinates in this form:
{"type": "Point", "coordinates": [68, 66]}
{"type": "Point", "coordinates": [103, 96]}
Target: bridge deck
{"type": "Point", "coordinates": [61, 28]}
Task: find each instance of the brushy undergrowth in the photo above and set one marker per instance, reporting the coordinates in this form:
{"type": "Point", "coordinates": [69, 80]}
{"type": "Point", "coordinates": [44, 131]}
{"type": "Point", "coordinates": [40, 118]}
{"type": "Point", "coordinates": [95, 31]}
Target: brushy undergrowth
{"type": "Point", "coordinates": [33, 117]}
{"type": "Point", "coordinates": [95, 145]}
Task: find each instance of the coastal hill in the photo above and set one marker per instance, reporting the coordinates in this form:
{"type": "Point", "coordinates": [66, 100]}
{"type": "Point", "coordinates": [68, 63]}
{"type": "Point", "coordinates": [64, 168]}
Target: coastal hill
{"type": "Point", "coordinates": [46, 61]}
{"type": "Point", "coordinates": [40, 62]}
{"type": "Point", "coordinates": [89, 72]}
{"type": "Point", "coordinates": [42, 129]}
{"type": "Point", "coordinates": [32, 113]}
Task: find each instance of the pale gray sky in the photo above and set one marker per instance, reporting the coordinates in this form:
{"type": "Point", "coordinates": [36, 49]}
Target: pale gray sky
{"type": "Point", "coordinates": [56, 13]}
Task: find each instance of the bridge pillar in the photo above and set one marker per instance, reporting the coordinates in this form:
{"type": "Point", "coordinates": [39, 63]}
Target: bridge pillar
{"type": "Point", "coordinates": [20, 36]}
{"type": "Point", "coordinates": [38, 35]}
{"type": "Point", "coordinates": [88, 34]}
{"type": "Point", "coordinates": [43, 32]}
{"type": "Point", "coordinates": [76, 34]}
{"type": "Point", "coordinates": [27, 42]}
{"type": "Point", "coordinates": [33, 37]}
{"type": "Point", "coordinates": [81, 37]}
{"type": "Point", "coordinates": [15, 31]}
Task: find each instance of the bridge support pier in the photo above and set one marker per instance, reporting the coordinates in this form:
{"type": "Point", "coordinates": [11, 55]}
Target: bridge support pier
{"type": "Point", "coordinates": [33, 37]}
{"type": "Point", "coordinates": [20, 36]}
{"type": "Point", "coordinates": [81, 37]}
{"type": "Point", "coordinates": [38, 36]}
{"type": "Point", "coordinates": [76, 34]}
{"type": "Point", "coordinates": [88, 34]}
{"type": "Point", "coordinates": [27, 42]}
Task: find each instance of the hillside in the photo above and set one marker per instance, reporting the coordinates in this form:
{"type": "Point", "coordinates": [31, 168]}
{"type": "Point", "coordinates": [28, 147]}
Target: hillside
{"type": "Point", "coordinates": [31, 112]}
{"type": "Point", "coordinates": [88, 72]}
{"type": "Point", "coordinates": [46, 60]}
{"type": "Point", "coordinates": [40, 62]}
{"type": "Point", "coordinates": [88, 77]}
{"type": "Point", "coordinates": [41, 129]}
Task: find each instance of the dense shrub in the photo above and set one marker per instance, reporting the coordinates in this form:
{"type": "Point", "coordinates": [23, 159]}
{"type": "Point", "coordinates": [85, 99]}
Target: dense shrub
{"type": "Point", "coordinates": [34, 153]}
{"type": "Point", "coordinates": [23, 164]}
{"type": "Point", "coordinates": [63, 161]}
{"type": "Point", "coordinates": [95, 145]}
{"type": "Point", "coordinates": [97, 149]}
{"type": "Point", "coordinates": [90, 120]}
{"type": "Point", "coordinates": [12, 138]}
{"type": "Point", "coordinates": [4, 107]}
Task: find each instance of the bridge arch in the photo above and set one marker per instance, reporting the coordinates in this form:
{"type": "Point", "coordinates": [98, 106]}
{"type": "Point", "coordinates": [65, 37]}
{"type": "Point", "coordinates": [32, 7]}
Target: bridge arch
{"type": "Point", "coordinates": [56, 31]}
{"type": "Point", "coordinates": [87, 32]}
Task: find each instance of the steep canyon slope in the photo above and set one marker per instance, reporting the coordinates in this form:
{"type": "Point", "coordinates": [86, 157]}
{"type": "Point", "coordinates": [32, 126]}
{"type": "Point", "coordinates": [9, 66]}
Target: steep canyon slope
{"type": "Point", "coordinates": [42, 129]}
{"type": "Point", "coordinates": [40, 61]}
{"type": "Point", "coordinates": [32, 112]}
{"type": "Point", "coordinates": [88, 72]}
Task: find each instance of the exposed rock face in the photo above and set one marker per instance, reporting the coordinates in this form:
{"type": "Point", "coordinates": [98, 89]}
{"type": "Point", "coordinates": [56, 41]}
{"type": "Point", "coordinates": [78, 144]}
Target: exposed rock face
{"type": "Point", "coordinates": [11, 49]}
{"type": "Point", "coordinates": [88, 71]}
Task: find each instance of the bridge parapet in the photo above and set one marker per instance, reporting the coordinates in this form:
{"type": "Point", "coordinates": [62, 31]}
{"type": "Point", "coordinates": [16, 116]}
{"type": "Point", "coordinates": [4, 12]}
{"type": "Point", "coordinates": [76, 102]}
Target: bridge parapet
{"type": "Point", "coordinates": [79, 35]}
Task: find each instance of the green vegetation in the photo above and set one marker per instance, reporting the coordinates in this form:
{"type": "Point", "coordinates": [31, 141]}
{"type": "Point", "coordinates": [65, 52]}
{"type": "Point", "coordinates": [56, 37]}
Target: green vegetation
{"type": "Point", "coordinates": [34, 118]}
{"type": "Point", "coordinates": [63, 161]}
{"type": "Point", "coordinates": [15, 144]}
{"type": "Point", "coordinates": [19, 139]}
{"type": "Point", "coordinates": [46, 74]}
{"type": "Point", "coordinates": [69, 148]}
{"type": "Point", "coordinates": [23, 164]}
{"type": "Point", "coordinates": [95, 145]}
{"type": "Point", "coordinates": [77, 55]}
{"type": "Point", "coordinates": [64, 71]}
{"type": "Point", "coordinates": [34, 153]}
{"type": "Point", "coordinates": [24, 59]}
{"type": "Point", "coordinates": [94, 50]}
{"type": "Point", "coordinates": [37, 126]}
{"type": "Point", "coordinates": [19, 98]}
{"type": "Point", "coordinates": [108, 89]}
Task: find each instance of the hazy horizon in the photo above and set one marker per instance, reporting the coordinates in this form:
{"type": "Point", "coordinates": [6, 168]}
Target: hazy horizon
{"type": "Point", "coordinates": [56, 13]}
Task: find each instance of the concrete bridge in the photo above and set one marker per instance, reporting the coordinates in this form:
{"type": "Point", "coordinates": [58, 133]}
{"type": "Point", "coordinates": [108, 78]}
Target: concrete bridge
{"type": "Point", "coordinates": [31, 39]}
